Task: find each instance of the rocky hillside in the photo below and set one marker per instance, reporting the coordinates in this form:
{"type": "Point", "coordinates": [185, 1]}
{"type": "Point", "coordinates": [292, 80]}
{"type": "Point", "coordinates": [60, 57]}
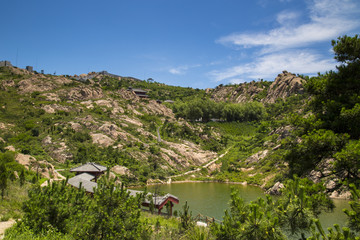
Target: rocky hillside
{"type": "Point", "coordinates": [285, 85]}
{"type": "Point", "coordinates": [65, 121]}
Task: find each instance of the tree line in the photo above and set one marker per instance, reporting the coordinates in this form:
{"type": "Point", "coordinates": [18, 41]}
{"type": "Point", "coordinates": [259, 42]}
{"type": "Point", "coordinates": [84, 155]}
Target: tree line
{"type": "Point", "coordinates": [205, 109]}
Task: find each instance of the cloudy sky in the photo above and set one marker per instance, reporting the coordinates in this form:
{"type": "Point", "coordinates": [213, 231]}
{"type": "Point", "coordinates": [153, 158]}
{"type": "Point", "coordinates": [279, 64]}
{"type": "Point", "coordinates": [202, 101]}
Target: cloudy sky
{"type": "Point", "coordinates": [195, 43]}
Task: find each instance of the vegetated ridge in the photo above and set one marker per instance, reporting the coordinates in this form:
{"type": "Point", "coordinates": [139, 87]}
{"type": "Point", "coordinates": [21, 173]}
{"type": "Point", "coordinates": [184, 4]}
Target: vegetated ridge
{"type": "Point", "coordinates": [62, 121]}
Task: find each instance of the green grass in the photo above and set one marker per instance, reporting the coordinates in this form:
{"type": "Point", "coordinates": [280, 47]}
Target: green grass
{"type": "Point", "coordinates": [10, 206]}
{"type": "Point", "coordinates": [235, 128]}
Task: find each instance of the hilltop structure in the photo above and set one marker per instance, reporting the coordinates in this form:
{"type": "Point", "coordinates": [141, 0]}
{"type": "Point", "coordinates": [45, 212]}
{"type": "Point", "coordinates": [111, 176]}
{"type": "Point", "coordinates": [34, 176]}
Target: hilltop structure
{"type": "Point", "coordinates": [139, 92]}
{"type": "Point", "coordinates": [5, 64]}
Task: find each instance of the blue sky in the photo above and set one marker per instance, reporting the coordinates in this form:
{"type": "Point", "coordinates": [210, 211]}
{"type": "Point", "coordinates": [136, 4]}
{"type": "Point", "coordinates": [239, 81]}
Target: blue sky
{"type": "Point", "coordinates": [195, 43]}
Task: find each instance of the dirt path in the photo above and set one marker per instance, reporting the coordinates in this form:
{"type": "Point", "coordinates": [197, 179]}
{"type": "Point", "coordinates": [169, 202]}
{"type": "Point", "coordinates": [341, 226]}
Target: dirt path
{"type": "Point", "coordinates": [4, 226]}
{"type": "Point", "coordinates": [199, 168]}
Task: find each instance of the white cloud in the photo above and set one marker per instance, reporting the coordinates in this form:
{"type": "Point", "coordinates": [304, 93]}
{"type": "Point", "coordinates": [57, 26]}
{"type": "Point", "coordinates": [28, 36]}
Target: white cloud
{"type": "Point", "coordinates": [236, 80]}
{"type": "Point", "coordinates": [177, 71]}
{"type": "Point", "coordinates": [328, 20]}
{"type": "Point", "coordinates": [286, 17]}
{"type": "Point", "coordinates": [304, 62]}
{"type": "Point", "coordinates": [182, 69]}
{"type": "Point", "coordinates": [283, 48]}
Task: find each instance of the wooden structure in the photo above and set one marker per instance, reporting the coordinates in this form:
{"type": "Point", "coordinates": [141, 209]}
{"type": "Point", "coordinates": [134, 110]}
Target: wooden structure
{"type": "Point", "coordinates": [85, 174]}
{"type": "Point", "coordinates": [158, 201]}
{"type": "Point", "coordinates": [90, 168]}
{"type": "Point", "coordinates": [139, 92]}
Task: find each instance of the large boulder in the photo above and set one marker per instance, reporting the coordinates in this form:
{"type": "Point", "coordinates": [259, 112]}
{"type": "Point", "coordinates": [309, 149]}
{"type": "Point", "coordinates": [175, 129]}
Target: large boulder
{"type": "Point", "coordinates": [276, 189]}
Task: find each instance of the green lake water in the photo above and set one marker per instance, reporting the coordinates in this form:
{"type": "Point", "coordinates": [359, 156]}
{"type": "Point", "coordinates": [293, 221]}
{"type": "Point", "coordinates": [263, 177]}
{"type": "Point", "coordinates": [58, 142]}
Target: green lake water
{"type": "Point", "coordinates": [211, 199]}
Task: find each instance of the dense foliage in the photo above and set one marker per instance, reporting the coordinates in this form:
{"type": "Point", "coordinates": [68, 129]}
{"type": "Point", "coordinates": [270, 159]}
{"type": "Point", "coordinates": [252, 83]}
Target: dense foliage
{"type": "Point", "coordinates": [206, 109]}
{"type": "Point", "coordinates": [110, 213]}
{"type": "Point", "coordinates": [269, 219]}
{"type": "Point", "coordinates": [318, 131]}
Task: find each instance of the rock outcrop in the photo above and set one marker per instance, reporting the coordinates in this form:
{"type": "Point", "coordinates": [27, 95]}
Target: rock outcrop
{"type": "Point", "coordinates": [285, 85]}
{"type": "Point", "coordinates": [276, 189]}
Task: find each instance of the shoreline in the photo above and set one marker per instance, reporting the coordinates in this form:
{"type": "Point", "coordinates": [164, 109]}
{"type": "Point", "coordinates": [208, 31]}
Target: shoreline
{"type": "Point", "coordinates": [226, 182]}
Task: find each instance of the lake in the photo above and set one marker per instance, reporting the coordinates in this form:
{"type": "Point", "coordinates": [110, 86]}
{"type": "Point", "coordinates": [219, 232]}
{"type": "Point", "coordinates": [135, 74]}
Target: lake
{"type": "Point", "coordinates": [212, 199]}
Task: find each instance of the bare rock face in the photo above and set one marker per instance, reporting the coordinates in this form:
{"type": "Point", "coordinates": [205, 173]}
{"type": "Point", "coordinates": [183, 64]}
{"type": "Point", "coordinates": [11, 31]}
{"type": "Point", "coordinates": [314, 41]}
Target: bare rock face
{"type": "Point", "coordinates": [43, 167]}
{"type": "Point", "coordinates": [102, 139]}
{"type": "Point", "coordinates": [240, 93]}
{"type": "Point", "coordinates": [189, 152]}
{"type": "Point", "coordinates": [77, 127]}
{"type": "Point", "coordinates": [283, 132]}
{"type": "Point", "coordinates": [61, 153]}
{"type": "Point", "coordinates": [114, 105]}
{"type": "Point", "coordinates": [276, 189]}
{"type": "Point", "coordinates": [257, 157]}
{"type": "Point", "coordinates": [285, 84]}
{"type": "Point", "coordinates": [330, 185]}
{"type": "Point", "coordinates": [53, 97]}
{"type": "Point", "coordinates": [315, 176]}
{"type": "Point", "coordinates": [5, 84]}
{"type": "Point", "coordinates": [53, 108]}
{"type": "Point", "coordinates": [128, 95]}
{"type": "Point", "coordinates": [35, 84]}
{"type": "Point", "coordinates": [341, 194]}
{"type": "Point", "coordinates": [113, 131]}
{"type": "Point", "coordinates": [83, 93]}
{"type": "Point", "coordinates": [46, 141]}
{"type": "Point", "coordinates": [155, 108]}
{"type": "Point", "coordinates": [121, 170]}
{"type": "Point", "coordinates": [11, 148]}
{"type": "Point", "coordinates": [41, 83]}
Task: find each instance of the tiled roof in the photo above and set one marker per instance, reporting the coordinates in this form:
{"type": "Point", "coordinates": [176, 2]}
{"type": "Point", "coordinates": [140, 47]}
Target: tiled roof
{"type": "Point", "coordinates": [84, 180]}
{"type": "Point", "coordinates": [138, 90]}
{"type": "Point", "coordinates": [89, 167]}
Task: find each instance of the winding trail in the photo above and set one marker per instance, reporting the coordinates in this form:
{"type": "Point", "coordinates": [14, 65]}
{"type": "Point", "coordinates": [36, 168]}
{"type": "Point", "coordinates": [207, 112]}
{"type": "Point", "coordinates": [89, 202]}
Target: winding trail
{"type": "Point", "coordinates": [199, 168]}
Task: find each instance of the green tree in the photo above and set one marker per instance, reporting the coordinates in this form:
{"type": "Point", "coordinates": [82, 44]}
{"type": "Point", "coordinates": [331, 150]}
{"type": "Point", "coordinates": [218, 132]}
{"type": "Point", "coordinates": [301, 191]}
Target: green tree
{"type": "Point", "coordinates": [305, 155]}
{"type": "Point", "coordinates": [22, 177]}
{"type": "Point", "coordinates": [248, 221]}
{"type": "Point", "coordinates": [109, 214]}
{"type": "Point", "coordinates": [351, 232]}
{"type": "Point", "coordinates": [186, 220]}
{"type": "Point", "coordinates": [336, 94]}
{"type": "Point", "coordinates": [3, 179]}
{"type": "Point", "coordinates": [354, 213]}
{"type": "Point", "coordinates": [347, 162]}
{"type": "Point", "coordinates": [300, 203]}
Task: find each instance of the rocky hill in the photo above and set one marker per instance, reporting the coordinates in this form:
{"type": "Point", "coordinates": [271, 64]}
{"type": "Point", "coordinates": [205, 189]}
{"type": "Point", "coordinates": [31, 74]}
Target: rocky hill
{"type": "Point", "coordinates": [64, 120]}
{"type": "Point", "coordinates": [285, 84]}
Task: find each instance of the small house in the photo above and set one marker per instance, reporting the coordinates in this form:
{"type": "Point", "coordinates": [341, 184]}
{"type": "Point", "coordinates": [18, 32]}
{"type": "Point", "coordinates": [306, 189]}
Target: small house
{"type": "Point", "coordinates": [87, 173]}
{"type": "Point", "coordinates": [91, 168]}
{"type": "Point", "coordinates": [5, 64]}
{"type": "Point", "coordinates": [158, 201]}
{"type": "Point", "coordinates": [139, 92]}
{"type": "Point", "coordinates": [29, 68]}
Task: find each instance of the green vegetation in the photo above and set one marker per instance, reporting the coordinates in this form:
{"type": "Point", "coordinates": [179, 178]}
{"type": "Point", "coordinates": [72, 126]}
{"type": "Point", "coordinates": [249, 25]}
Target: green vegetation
{"type": "Point", "coordinates": [206, 109]}
{"type": "Point", "coordinates": [61, 212]}
{"type": "Point", "coordinates": [262, 143]}
{"type": "Point", "coordinates": [110, 213]}
{"type": "Point", "coordinates": [293, 214]}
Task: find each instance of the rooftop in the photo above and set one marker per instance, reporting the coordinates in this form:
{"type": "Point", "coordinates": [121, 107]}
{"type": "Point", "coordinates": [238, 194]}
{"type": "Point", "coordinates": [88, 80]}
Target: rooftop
{"type": "Point", "coordinates": [83, 180]}
{"type": "Point", "coordinates": [89, 167]}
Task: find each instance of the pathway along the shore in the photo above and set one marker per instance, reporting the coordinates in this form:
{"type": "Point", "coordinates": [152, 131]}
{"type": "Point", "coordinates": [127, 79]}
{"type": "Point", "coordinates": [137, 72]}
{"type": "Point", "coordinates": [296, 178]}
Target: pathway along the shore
{"type": "Point", "coordinates": [199, 168]}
